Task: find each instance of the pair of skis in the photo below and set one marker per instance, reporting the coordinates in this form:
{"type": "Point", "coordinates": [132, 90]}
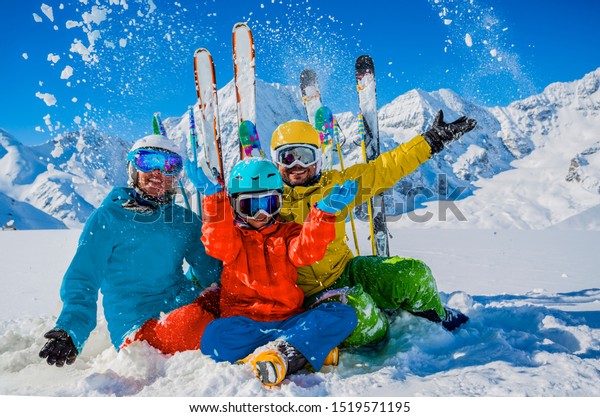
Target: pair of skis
{"type": "Point", "coordinates": [206, 90]}
{"type": "Point", "coordinates": [319, 116]}
{"type": "Point", "coordinates": [322, 119]}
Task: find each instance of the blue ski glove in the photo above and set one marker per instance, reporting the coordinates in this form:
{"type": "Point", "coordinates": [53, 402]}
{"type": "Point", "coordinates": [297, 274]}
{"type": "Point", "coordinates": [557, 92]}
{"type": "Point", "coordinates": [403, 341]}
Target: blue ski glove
{"type": "Point", "coordinates": [207, 184]}
{"type": "Point", "coordinates": [339, 197]}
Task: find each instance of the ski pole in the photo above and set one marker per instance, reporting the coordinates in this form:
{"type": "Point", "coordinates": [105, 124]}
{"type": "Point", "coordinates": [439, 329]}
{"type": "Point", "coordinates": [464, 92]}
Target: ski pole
{"type": "Point", "coordinates": [337, 130]}
{"type": "Point", "coordinates": [361, 131]}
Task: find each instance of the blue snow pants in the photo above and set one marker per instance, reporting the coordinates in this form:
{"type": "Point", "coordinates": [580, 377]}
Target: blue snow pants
{"type": "Point", "coordinates": [314, 333]}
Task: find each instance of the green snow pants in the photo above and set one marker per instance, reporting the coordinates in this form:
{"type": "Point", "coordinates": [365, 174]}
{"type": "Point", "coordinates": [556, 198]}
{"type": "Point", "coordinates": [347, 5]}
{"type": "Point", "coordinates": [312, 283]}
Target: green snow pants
{"type": "Point", "coordinates": [371, 284]}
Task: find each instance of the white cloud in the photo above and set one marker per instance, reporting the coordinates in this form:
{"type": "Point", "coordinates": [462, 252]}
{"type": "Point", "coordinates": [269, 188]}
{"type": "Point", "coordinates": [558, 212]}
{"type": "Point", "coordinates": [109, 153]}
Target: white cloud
{"type": "Point", "coordinates": [37, 17]}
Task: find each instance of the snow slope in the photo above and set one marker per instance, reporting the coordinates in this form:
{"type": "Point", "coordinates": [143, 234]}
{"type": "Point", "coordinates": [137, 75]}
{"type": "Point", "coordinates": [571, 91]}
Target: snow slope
{"type": "Point", "coordinates": [533, 298]}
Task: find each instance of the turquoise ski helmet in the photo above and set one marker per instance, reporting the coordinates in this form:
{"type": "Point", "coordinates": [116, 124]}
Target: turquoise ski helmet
{"type": "Point", "coordinates": [254, 175]}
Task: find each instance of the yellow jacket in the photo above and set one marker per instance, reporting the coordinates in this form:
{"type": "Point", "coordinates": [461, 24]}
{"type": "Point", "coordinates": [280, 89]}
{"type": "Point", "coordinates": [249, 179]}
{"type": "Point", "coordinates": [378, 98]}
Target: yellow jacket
{"type": "Point", "coordinates": [373, 178]}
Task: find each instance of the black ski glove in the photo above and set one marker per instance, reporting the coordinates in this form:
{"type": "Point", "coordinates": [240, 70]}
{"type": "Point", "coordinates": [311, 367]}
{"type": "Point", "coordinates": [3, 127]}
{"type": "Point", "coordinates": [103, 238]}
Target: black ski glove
{"type": "Point", "coordinates": [442, 133]}
{"type": "Point", "coordinates": [59, 349]}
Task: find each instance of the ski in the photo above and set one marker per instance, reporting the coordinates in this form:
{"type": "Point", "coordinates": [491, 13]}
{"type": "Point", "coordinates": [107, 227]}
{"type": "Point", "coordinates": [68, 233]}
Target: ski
{"type": "Point", "coordinates": [194, 148]}
{"type": "Point", "coordinates": [157, 125]}
{"type": "Point", "coordinates": [245, 88]}
{"type": "Point", "coordinates": [249, 141]}
{"type": "Point", "coordinates": [329, 131]}
{"type": "Point", "coordinates": [206, 90]}
{"type": "Point", "coordinates": [324, 123]}
{"type": "Point", "coordinates": [311, 95]}
{"type": "Point", "coordinates": [367, 100]}
{"type": "Point", "coordinates": [318, 115]}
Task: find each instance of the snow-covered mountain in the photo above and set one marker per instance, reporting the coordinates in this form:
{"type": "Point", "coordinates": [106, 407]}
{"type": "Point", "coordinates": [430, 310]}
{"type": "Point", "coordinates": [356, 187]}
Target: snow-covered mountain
{"type": "Point", "coordinates": [531, 164]}
{"type": "Point", "coordinates": [66, 177]}
{"type": "Point", "coordinates": [555, 140]}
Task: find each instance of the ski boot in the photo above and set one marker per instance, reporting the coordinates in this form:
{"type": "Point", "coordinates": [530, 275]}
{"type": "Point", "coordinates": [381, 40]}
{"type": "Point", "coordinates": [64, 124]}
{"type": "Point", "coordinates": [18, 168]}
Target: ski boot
{"type": "Point", "coordinates": [274, 361]}
{"type": "Point", "coordinates": [333, 358]}
{"type": "Point", "coordinates": [453, 320]}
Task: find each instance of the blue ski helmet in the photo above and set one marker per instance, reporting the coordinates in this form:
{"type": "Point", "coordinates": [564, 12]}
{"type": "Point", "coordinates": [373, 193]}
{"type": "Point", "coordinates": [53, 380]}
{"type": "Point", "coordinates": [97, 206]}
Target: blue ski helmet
{"type": "Point", "coordinates": [254, 175]}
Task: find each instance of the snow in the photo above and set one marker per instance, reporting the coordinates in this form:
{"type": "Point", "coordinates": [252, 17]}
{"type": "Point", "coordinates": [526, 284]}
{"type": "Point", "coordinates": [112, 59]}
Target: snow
{"type": "Point", "coordinates": [53, 58]}
{"type": "Point", "coordinates": [468, 40]}
{"type": "Point", "coordinates": [47, 10]}
{"type": "Point", "coordinates": [532, 297]}
{"type": "Point", "coordinates": [97, 15]}
{"type": "Point", "coordinates": [66, 73]}
{"type": "Point", "coordinates": [48, 98]}
{"type": "Point", "coordinates": [70, 24]}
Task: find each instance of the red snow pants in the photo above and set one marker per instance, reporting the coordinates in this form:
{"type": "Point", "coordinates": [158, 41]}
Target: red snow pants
{"type": "Point", "coordinates": [182, 328]}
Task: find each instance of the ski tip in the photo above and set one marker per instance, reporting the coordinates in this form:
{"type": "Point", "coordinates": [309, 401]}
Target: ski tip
{"type": "Point", "coordinates": [308, 72]}
{"type": "Point", "coordinates": [239, 24]}
{"type": "Point", "coordinates": [364, 61]}
{"type": "Point", "coordinates": [243, 31]}
{"type": "Point", "coordinates": [201, 51]}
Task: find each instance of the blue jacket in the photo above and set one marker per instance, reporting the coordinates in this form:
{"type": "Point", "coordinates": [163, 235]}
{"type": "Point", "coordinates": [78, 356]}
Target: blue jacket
{"type": "Point", "coordinates": [136, 261]}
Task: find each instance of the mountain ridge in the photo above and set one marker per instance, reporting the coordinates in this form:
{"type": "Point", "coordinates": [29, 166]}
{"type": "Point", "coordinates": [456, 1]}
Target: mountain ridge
{"type": "Point", "coordinates": [69, 175]}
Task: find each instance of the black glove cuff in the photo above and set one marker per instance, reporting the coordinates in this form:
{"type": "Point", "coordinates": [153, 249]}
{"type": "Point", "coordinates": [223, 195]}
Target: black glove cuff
{"type": "Point", "coordinates": [435, 142]}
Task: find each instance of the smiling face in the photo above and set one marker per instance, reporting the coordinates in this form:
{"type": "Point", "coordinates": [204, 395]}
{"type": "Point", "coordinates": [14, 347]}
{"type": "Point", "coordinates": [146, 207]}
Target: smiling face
{"type": "Point", "coordinates": [260, 221]}
{"type": "Point", "coordinates": [155, 183]}
{"type": "Point", "coordinates": [297, 175]}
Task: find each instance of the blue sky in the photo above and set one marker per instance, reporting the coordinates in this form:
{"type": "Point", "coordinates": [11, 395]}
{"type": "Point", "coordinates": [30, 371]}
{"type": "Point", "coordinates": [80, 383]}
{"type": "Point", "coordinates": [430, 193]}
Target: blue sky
{"type": "Point", "coordinates": [492, 52]}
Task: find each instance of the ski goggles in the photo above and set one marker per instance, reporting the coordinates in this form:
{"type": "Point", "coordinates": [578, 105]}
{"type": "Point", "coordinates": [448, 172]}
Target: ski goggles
{"type": "Point", "coordinates": [147, 160]}
{"type": "Point", "coordinates": [289, 156]}
{"type": "Point", "coordinates": [252, 205]}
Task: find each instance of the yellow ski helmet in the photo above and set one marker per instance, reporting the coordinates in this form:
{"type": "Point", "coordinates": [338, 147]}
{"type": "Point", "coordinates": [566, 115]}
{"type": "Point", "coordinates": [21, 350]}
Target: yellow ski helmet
{"type": "Point", "coordinates": [295, 132]}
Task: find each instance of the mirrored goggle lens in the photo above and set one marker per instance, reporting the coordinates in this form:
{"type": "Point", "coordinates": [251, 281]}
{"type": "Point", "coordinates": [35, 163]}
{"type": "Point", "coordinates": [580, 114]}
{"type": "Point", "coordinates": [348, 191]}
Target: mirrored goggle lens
{"type": "Point", "coordinates": [149, 160]}
{"type": "Point", "coordinates": [250, 206]}
{"type": "Point", "coordinates": [297, 155]}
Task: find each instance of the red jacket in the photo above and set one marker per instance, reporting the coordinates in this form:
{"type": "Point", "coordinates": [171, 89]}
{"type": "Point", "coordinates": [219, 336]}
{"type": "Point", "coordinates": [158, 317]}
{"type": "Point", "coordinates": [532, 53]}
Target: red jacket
{"type": "Point", "coordinates": [259, 267]}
